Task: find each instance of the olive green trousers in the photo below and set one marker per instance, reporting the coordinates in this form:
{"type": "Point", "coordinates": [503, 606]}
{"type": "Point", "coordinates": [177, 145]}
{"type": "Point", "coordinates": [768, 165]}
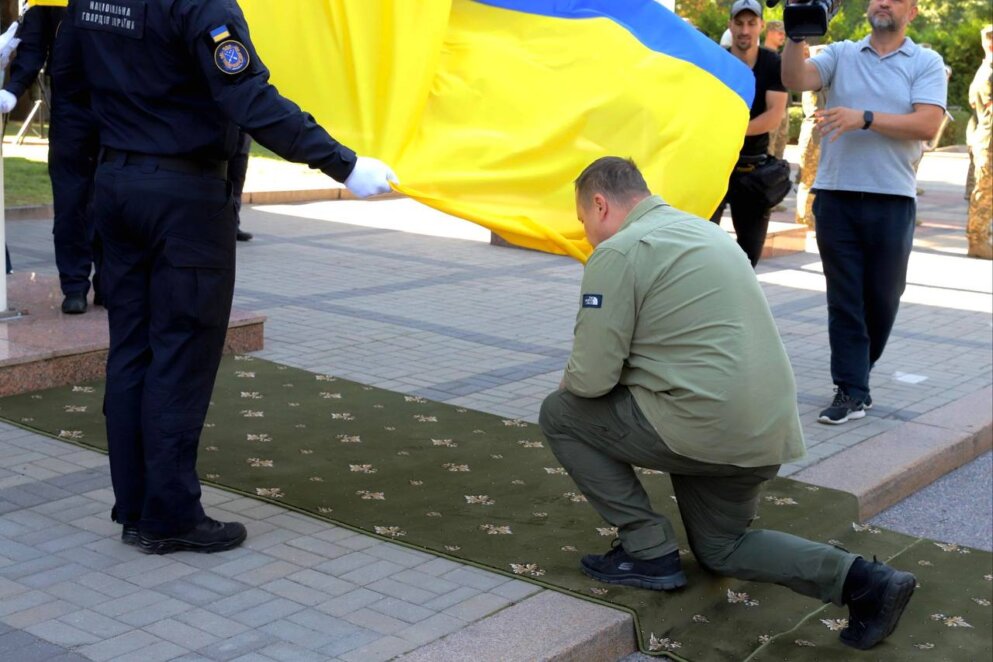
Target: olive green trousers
{"type": "Point", "coordinates": [599, 441]}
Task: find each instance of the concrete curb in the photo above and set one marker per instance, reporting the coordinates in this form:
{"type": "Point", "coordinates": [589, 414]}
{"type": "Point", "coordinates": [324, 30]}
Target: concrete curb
{"type": "Point", "coordinates": [306, 195]}
{"type": "Point", "coordinates": [46, 212]}
{"type": "Point", "coordinates": [879, 471]}
{"type": "Point", "coordinates": [891, 466]}
{"type": "Point", "coordinates": [547, 626]}
{"type": "Point", "coordinates": [30, 213]}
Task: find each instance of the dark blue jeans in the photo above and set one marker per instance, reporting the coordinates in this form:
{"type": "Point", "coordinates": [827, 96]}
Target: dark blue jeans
{"type": "Point", "coordinates": [865, 241]}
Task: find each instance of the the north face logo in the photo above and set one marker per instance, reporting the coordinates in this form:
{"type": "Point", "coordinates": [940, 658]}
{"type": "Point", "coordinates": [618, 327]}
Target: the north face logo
{"type": "Point", "coordinates": [592, 301]}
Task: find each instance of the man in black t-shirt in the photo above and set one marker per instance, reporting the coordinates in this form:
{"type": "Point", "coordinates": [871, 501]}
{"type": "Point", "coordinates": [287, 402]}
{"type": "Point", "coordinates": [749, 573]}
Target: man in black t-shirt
{"type": "Point", "coordinates": [749, 215]}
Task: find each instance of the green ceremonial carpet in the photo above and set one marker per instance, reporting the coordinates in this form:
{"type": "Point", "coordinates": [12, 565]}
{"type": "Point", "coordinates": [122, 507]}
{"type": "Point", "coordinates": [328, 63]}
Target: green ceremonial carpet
{"type": "Point", "coordinates": [487, 491]}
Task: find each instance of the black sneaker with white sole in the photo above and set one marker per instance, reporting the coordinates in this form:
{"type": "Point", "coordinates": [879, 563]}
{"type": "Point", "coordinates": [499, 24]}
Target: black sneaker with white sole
{"type": "Point", "coordinates": [844, 408]}
{"type": "Point", "coordinates": [618, 567]}
{"type": "Point", "coordinates": [208, 536]}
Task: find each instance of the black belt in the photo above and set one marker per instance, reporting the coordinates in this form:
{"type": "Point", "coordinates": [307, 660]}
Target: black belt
{"type": "Point", "coordinates": [172, 163]}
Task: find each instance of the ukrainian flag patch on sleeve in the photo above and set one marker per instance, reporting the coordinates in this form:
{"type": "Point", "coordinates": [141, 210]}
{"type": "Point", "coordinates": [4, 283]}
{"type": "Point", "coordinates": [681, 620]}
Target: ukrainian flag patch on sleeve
{"type": "Point", "coordinates": [220, 33]}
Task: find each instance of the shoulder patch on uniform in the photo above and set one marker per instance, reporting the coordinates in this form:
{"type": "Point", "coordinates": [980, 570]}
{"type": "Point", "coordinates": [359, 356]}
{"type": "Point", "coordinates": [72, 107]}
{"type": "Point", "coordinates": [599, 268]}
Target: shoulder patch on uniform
{"type": "Point", "coordinates": [231, 57]}
{"type": "Point", "coordinates": [220, 33]}
{"type": "Point", "coordinates": [592, 301]}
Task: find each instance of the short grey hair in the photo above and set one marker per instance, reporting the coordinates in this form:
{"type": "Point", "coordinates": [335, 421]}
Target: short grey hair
{"type": "Point", "coordinates": [614, 177]}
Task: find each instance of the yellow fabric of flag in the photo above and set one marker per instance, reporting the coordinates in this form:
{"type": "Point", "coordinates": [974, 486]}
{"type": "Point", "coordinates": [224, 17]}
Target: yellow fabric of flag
{"type": "Point", "coordinates": [489, 110]}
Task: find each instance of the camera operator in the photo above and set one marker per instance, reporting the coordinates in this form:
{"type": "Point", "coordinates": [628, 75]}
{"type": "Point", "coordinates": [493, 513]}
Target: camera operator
{"type": "Point", "coordinates": [883, 96]}
{"type": "Point", "coordinates": [749, 213]}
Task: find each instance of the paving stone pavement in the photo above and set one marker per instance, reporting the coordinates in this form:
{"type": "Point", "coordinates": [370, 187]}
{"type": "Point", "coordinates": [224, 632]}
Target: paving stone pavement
{"type": "Point", "coordinates": [450, 319]}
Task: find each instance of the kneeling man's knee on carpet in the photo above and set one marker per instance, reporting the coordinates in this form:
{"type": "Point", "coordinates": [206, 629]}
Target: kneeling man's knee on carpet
{"type": "Point", "coordinates": [550, 414]}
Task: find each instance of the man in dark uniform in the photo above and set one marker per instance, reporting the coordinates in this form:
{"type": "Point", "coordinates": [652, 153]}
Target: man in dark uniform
{"type": "Point", "coordinates": [171, 83]}
{"type": "Point", "coordinates": [72, 154]}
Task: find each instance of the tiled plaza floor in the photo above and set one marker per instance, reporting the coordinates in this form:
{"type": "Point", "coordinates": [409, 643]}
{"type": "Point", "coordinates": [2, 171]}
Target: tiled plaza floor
{"type": "Point", "coordinates": [455, 320]}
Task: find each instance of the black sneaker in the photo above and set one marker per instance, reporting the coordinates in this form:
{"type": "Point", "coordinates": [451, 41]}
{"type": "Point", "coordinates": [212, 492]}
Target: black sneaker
{"type": "Point", "coordinates": [243, 236]}
{"type": "Point", "coordinates": [843, 408]}
{"type": "Point", "coordinates": [875, 607]}
{"type": "Point", "coordinates": [617, 567]}
{"type": "Point", "coordinates": [74, 304]}
{"type": "Point", "coordinates": [129, 534]}
{"type": "Point", "coordinates": [208, 536]}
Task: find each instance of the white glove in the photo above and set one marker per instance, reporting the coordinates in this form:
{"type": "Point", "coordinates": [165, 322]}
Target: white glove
{"type": "Point", "coordinates": [8, 43]}
{"type": "Point", "coordinates": [370, 177]}
{"type": "Point", "coordinates": [7, 101]}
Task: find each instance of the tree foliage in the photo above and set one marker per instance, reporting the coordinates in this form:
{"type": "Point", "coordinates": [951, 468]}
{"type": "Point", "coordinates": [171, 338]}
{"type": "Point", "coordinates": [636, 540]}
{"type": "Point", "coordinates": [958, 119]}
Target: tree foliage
{"type": "Point", "coordinates": [951, 28]}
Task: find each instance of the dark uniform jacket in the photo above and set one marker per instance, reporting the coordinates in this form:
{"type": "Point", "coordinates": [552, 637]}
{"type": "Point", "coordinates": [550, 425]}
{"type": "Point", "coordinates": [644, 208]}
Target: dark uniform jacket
{"type": "Point", "coordinates": [37, 34]}
{"type": "Point", "coordinates": [178, 77]}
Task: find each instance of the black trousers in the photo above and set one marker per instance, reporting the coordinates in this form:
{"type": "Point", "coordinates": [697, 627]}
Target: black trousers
{"type": "Point", "coordinates": [72, 159]}
{"type": "Point", "coordinates": [168, 280]}
{"type": "Point", "coordinates": [749, 216]}
{"type": "Point", "coordinates": [865, 241]}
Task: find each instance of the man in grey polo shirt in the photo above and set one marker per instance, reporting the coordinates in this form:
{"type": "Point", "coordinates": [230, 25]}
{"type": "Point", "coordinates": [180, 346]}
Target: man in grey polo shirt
{"type": "Point", "coordinates": [883, 96]}
{"type": "Point", "coordinates": [677, 366]}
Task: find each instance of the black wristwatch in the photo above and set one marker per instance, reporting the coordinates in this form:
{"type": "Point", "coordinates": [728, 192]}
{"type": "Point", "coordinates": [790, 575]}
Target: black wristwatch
{"type": "Point", "coordinates": [867, 117]}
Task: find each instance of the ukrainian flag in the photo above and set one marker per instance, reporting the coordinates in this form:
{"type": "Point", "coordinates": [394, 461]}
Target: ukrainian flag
{"type": "Point", "coordinates": [48, 3]}
{"type": "Point", "coordinates": [489, 109]}
{"type": "Point", "coordinates": [220, 33]}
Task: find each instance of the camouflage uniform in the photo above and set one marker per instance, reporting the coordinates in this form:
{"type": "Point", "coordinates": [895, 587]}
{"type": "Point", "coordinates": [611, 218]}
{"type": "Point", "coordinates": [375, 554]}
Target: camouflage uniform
{"type": "Point", "coordinates": [970, 176]}
{"type": "Point", "coordinates": [810, 154]}
{"type": "Point", "coordinates": [781, 135]}
{"type": "Point", "coordinates": [978, 229]}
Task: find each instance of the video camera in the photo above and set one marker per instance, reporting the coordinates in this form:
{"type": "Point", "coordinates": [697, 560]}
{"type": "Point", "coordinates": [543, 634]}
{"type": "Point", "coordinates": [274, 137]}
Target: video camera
{"type": "Point", "coordinates": [807, 18]}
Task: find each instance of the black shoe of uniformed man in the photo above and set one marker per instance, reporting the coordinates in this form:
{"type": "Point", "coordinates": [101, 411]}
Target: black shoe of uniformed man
{"type": "Point", "coordinates": [876, 600]}
{"type": "Point", "coordinates": [664, 573]}
{"type": "Point", "coordinates": [243, 236]}
{"type": "Point", "coordinates": [129, 534]}
{"type": "Point", "coordinates": [208, 536]}
{"type": "Point", "coordinates": [74, 304]}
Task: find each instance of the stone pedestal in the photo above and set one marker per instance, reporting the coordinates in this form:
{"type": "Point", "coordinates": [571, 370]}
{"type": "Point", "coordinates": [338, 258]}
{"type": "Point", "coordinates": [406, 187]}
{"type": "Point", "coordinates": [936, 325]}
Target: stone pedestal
{"type": "Point", "coordinates": [41, 347]}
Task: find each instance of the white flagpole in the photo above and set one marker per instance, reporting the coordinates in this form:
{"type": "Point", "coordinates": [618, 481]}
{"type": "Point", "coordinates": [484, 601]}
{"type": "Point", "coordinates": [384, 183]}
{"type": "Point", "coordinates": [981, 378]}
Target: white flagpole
{"type": "Point", "coordinates": [3, 239]}
{"type": "Point", "coordinates": [8, 42]}
{"type": "Point", "coordinates": [3, 227]}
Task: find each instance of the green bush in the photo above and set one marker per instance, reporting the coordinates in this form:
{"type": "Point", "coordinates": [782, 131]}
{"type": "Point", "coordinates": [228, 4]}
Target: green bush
{"type": "Point", "coordinates": [955, 131]}
{"type": "Point", "coordinates": [796, 117]}
{"type": "Point", "coordinates": [959, 46]}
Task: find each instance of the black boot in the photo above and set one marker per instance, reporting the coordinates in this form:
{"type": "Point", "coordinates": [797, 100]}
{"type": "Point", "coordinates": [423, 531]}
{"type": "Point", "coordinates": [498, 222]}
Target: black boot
{"type": "Point", "coordinates": [876, 595]}
{"type": "Point", "coordinates": [208, 536]}
{"type": "Point", "coordinates": [129, 534]}
{"type": "Point", "coordinates": [74, 304]}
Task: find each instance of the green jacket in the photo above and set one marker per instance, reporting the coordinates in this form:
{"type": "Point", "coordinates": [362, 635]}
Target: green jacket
{"type": "Point", "coordinates": [671, 309]}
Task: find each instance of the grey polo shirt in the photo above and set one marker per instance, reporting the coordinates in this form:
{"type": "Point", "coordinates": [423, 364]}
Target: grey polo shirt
{"type": "Point", "coordinates": [671, 309]}
{"type": "Point", "coordinates": [855, 76]}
